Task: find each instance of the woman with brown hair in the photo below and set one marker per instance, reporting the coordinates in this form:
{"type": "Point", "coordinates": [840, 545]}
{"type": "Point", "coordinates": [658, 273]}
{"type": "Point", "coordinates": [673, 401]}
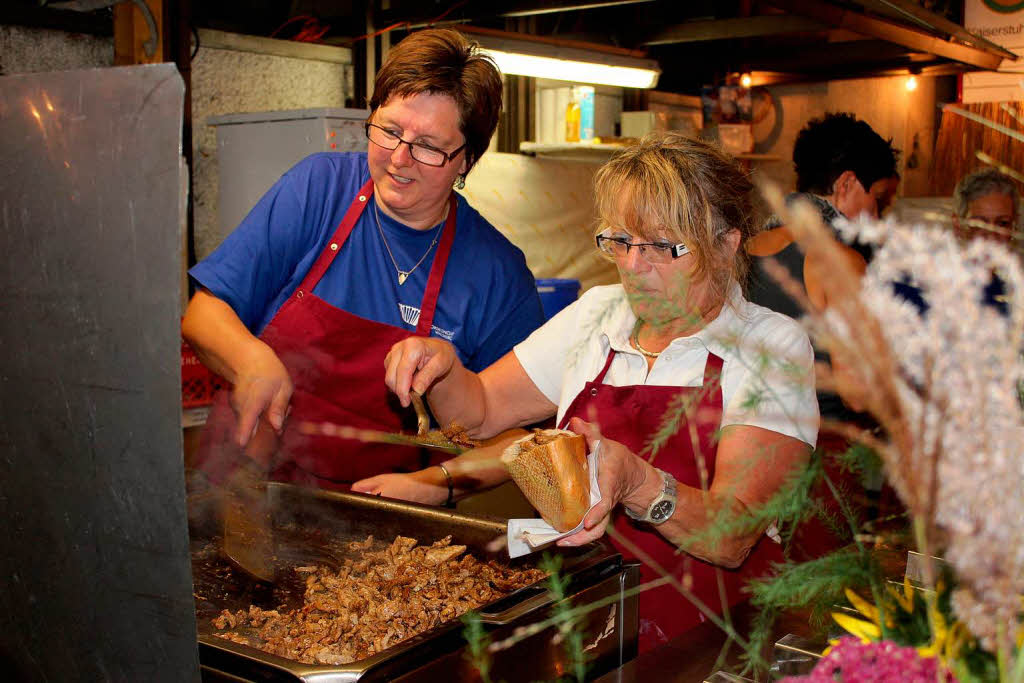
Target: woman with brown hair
{"type": "Point", "coordinates": [349, 254]}
{"type": "Point", "coordinates": [703, 402]}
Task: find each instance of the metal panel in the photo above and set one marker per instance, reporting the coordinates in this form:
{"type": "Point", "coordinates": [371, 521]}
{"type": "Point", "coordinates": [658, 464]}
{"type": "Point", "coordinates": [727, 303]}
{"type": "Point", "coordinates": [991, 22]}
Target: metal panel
{"type": "Point", "coordinates": [94, 545]}
{"type": "Point", "coordinates": [255, 149]}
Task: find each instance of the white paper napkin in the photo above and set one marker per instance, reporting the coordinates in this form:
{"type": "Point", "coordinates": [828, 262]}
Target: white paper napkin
{"type": "Point", "coordinates": [529, 535]}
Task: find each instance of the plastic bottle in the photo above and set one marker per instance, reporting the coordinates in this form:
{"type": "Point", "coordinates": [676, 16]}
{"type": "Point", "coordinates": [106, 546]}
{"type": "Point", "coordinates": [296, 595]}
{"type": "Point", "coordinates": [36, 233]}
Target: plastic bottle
{"type": "Point", "coordinates": [586, 113]}
{"type": "Point", "coordinates": [572, 118]}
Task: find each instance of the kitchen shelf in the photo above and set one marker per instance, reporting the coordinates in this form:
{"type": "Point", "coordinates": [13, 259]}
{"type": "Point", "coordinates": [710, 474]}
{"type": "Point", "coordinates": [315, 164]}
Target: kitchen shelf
{"type": "Point", "coordinates": [577, 151]}
{"type": "Point", "coordinates": [590, 151]}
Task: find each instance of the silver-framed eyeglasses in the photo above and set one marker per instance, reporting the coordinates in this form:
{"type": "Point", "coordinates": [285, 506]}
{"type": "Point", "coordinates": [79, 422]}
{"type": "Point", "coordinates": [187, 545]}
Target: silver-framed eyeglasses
{"type": "Point", "coordinates": [652, 252]}
{"type": "Point", "coordinates": [425, 154]}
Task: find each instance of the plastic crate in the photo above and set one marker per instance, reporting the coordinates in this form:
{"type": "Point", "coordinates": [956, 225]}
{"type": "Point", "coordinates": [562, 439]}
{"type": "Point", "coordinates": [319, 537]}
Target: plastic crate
{"type": "Point", "coordinates": [198, 385]}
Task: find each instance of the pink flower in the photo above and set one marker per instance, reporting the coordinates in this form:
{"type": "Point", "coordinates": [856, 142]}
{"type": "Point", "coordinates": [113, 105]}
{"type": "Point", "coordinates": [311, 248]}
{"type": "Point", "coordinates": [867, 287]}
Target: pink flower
{"type": "Point", "coordinates": [853, 661]}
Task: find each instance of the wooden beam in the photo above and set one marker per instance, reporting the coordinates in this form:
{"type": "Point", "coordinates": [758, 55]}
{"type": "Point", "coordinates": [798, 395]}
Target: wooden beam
{"type": "Point", "coordinates": [814, 58]}
{"type": "Point", "coordinates": [937, 22]}
{"type": "Point", "coordinates": [535, 7]}
{"type": "Point", "coordinates": [772, 78]}
{"type": "Point", "coordinates": [139, 34]}
{"type": "Point", "coordinates": [729, 29]}
{"type": "Point", "coordinates": [889, 31]}
{"type": "Point", "coordinates": [222, 40]}
{"type": "Point", "coordinates": [419, 14]}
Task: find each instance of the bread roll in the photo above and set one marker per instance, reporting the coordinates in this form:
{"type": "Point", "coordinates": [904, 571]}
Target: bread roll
{"type": "Point", "coordinates": [550, 467]}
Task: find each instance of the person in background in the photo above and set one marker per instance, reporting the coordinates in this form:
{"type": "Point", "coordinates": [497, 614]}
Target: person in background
{"type": "Point", "coordinates": [986, 204]}
{"type": "Point", "coordinates": [616, 366]}
{"type": "Point", "coordinates": [845, 169]}
{"type": "Point", "coordinates": [348, 254]}
{"type": "Point", "coordinates": [990, 197]}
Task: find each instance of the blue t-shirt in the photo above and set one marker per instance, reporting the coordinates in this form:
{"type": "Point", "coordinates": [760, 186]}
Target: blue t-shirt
{"type": "Point", "coordinates": [488, 301]}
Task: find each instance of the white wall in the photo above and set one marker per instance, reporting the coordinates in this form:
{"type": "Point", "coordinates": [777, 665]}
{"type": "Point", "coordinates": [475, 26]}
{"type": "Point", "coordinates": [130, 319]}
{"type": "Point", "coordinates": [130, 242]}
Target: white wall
{"type": "Point", "coordinates": [546, 208]}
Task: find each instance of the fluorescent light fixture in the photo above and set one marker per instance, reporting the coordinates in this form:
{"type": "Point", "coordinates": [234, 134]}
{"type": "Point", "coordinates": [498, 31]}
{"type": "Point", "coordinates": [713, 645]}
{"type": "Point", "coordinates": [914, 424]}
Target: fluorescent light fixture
{"type": "Point", "coordinates": [544, 60]}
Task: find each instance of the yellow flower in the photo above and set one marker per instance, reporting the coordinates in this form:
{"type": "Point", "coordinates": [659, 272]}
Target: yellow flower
{"type": "Point", "coordinates": [865, 630]}
{"type": "Point", "coordinates": [906, 600]}
{"type": "Point", "coordinates": [862, 606]}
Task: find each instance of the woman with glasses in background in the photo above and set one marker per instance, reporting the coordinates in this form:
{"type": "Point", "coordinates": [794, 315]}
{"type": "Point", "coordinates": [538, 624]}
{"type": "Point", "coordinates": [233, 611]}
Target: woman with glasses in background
{"type": "Point", "coordinates": [703, 402]}
{"type": "Point", "coordinates": [348, 254]}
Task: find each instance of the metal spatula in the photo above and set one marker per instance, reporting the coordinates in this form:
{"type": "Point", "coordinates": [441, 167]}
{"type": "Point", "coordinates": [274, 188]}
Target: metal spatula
{"type": "Point", "coordinates": [248, 529]}
{"type": "Point", "coordinates": [248, 535]}
{"type": "Point", "coordinates": [434, 440]}
{"type": "Point", "coordinates": [425, 437]}
{"type": "Point", "coordinates": [422, 417]}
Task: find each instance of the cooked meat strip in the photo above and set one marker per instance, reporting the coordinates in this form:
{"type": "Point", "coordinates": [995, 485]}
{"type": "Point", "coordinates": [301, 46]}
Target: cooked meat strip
{"type": "Point", "coordinates": [458, 435]}
{"type": "Point", "coordinates": [377, 599]}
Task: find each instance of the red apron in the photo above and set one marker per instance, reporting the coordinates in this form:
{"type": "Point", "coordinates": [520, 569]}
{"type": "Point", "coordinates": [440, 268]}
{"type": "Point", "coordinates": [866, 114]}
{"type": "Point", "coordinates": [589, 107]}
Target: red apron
{"type": "Point", "coordinates": [336, 362]}
{"type": "Point", "coordinates": [632, 415]}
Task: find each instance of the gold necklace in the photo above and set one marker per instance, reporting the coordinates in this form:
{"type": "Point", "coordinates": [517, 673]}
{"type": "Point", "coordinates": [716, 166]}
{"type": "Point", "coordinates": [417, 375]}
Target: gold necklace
{"type": "Point", "coordinates": [636, 342]}
{"type": "Point", "coordinates": [403, 275]}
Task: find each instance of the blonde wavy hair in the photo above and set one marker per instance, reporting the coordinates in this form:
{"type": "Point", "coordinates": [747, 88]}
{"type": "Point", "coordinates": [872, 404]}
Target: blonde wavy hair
{"type": "Point", "coordinates": [688, 190]}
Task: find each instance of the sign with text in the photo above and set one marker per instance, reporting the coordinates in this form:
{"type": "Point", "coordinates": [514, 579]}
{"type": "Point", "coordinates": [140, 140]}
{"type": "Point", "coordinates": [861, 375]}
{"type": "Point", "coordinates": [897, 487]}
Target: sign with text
{"type": "Point", "coordinates": [1002, 22]}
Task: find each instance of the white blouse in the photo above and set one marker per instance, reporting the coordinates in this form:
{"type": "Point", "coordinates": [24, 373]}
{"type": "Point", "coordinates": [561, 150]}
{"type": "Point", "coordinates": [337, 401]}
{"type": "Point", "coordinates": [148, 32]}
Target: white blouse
{"type": "Point", "coordinates": [767, 376]}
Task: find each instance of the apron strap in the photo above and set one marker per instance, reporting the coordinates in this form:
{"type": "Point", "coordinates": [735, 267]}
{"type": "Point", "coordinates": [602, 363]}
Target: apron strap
{"type": "Point", "coordinates": [433, 289]}
{"type": "Point", "coordinates": [323, 262]}
{"type": "Point", "coordinates": [598, 379]}
{"type": "Point", "coordinates": [607, 364]}
{"type": "Point", "coordinates": [713, 369]}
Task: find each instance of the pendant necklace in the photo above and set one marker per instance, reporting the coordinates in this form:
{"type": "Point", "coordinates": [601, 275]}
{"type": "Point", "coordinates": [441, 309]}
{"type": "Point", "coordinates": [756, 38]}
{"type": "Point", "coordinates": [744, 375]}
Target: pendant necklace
{"type": "Point", "coordinates": [636, 342]}
{"type": "Point", "coordinates": [403, 275]}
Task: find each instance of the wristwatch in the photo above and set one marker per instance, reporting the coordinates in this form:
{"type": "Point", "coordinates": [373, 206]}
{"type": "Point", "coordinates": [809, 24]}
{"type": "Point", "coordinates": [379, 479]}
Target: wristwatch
{"type": "Point", "coordinates": [663, 505]}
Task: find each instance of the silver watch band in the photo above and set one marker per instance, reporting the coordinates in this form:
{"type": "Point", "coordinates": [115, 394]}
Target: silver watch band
{"type": "Point", "coordinates": [663, 505]}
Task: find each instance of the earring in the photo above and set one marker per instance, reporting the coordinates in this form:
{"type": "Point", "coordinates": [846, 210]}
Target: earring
{"type": "Point", "coordinates": [460, 181]}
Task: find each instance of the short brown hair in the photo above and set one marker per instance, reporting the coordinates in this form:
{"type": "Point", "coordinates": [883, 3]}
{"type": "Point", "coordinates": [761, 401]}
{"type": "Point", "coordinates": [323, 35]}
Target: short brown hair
{"type": "Point", "coordinates": [689, 190]}
{"type": "Point", "coordinates": [441, 61]}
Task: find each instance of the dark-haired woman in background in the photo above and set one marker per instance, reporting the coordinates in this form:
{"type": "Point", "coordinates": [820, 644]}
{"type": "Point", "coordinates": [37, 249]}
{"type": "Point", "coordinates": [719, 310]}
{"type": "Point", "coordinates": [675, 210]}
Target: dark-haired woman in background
{"type": "Point", "coordinates": [845, 170]}
{"type": "Point", "coordinates": [349, 254]}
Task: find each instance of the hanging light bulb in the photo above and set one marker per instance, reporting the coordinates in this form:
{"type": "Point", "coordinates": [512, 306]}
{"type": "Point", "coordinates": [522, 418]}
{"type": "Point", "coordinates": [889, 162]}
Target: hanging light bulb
{"type": "Point", "coordinates": [746, 80]}
{"type": "Point", "coordinates": [911, 83]}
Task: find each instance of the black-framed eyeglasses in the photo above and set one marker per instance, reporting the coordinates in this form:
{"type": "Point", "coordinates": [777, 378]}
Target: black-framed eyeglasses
{"type": "Point", "coordinates": [425, 154]}
{"type": "Point", "coordinates": [652, 252]}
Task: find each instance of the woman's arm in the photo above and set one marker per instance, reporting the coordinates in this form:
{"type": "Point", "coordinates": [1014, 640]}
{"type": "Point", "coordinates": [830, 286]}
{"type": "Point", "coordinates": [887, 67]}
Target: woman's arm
{"type": "Point", "coordinates": [261, 385]}
{"type": "Point", "coordinates": [499, 398]}
{"type": "Point", "coordinates": [751, 465]}
{"type": "Point", "coordinates": [480, 468]}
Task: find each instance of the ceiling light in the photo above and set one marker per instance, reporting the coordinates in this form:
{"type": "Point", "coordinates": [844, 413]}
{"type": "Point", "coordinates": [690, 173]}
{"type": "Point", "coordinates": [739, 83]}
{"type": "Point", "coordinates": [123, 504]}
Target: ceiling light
{"type": "Point", "coordinates": [746, 80]}
{"type": "Point", "coordinates": [565, 63]}
{"type": "Point", "coordinates": [911, 83]}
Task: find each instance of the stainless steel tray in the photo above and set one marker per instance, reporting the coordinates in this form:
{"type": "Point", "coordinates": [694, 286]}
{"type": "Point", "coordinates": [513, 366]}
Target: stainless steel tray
{"type": "Point", "coordinates": [331, 517]}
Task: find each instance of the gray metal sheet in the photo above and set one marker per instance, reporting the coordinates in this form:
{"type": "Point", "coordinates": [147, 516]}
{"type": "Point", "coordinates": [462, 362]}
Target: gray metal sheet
{"type": "Point", "coordinates": [94, 544]}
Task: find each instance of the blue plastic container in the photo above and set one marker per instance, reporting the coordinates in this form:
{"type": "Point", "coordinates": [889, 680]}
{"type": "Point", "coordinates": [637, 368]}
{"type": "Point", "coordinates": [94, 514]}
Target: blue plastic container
{"type": "Point", "coordinates": [556, 294]}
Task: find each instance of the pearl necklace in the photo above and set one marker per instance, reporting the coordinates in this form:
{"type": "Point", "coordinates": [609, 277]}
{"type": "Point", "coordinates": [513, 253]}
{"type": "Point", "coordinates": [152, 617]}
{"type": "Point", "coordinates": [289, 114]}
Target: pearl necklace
{"type": "Point", "coordinates": [635, 338]}
{"type": "Point", "coordinates": [403, 275]}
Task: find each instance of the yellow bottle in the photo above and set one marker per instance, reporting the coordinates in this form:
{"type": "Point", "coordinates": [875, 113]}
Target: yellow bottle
{"type": "Point", "coordinates": [572, 120]}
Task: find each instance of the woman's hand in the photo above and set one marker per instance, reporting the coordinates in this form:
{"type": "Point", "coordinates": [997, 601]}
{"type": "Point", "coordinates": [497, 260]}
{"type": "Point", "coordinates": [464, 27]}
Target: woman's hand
{"type": "Point", "coordinates": [416, 363]}
{"type": "Point", "coordinates": [262, 388]}
{"type": "Point", "coordinates": [261, 385]}
{"type": "Point", "coordinates": [417, 487]}
{"type": "Point", "coordinates": [620, 474]}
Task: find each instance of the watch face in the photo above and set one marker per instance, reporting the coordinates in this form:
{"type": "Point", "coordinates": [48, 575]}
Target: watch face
{"type": "Point", "coordinates": [662, 511]}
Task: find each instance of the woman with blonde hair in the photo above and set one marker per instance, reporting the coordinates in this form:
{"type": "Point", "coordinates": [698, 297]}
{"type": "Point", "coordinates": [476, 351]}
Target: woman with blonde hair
{"type": "Point", "coordinates": [703, 402]}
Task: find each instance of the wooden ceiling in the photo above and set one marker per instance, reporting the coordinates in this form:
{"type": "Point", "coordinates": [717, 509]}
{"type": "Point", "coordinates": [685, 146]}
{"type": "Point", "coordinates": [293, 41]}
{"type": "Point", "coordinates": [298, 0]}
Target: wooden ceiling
{"type": "Point", "coordinates": [696, 42]}
{"type": "Point", "coordinates": [701, 41]}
